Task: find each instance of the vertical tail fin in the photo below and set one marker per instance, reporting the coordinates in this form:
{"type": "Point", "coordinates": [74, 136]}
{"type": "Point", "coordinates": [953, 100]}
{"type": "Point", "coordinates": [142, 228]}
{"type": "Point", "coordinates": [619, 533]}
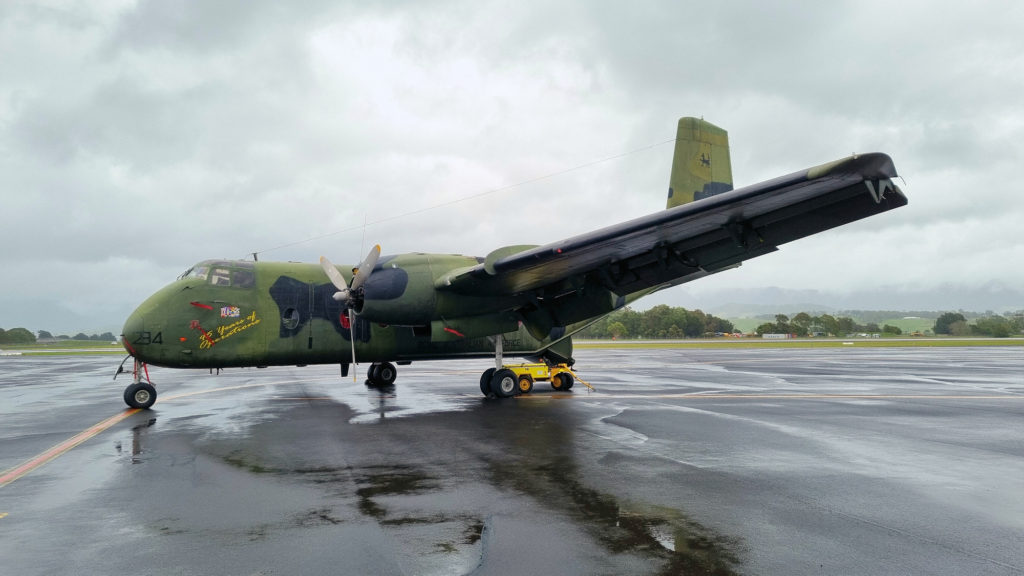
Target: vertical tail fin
{"type": "Point", "coordinates": [700, 166]}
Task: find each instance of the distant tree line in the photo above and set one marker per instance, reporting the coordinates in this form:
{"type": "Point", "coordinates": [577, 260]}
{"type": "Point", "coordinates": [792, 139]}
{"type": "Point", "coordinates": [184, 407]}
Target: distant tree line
{"type": "Point", "coordinates": [996, 325]}
{"type": "Point", "coordinates": [16, 336]}
{"type": "Point", "coordinates": [803, 324]}
{"type": "Point", "coordinates": [24, 336]}
{"type": "Point", "coordinates": [950, 323]}
{"type": "Point", "coordinates": [661, 321]}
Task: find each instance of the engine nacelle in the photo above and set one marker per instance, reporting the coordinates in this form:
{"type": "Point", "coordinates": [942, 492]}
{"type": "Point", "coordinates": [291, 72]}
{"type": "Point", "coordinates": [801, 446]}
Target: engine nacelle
{"type": "Point", "coordinates": [398, 295]}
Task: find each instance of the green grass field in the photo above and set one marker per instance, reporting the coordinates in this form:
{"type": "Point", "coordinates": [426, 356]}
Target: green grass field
{"type": "Point", "coordinates": [910, 324]}
{"type": "Point", "coordinates": [64, 347]}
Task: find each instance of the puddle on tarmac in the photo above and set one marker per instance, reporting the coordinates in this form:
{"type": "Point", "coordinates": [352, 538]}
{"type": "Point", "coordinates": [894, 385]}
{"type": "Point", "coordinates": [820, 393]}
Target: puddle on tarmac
{"type": "Point", "coordinates": [414, 501]}
{"type": "Point", "coordinates": [653, 531]}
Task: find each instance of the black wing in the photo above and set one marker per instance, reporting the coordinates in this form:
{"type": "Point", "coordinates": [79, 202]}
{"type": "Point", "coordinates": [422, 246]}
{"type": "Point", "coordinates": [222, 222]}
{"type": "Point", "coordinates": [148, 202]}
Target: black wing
{"type": "Point", "coordinates": [683, 243]}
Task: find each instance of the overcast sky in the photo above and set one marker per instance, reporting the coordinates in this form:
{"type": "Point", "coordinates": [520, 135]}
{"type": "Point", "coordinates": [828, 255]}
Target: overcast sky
{"type": "Point", "coordinates": [137, 138]}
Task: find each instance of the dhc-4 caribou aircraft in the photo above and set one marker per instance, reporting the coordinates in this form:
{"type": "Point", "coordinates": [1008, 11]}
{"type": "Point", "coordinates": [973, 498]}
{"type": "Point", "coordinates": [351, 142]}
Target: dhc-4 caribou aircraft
{"type": "Point", "coordinates": [520, 301]}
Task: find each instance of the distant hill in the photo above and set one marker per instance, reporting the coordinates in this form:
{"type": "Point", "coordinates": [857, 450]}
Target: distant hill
{"type": "Point", "coordinates": [57, 318]}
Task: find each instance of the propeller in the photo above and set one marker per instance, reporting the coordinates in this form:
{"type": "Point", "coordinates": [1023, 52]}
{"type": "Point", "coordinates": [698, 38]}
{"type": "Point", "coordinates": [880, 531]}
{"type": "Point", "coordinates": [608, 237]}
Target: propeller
{"type": "Point", "coordinates": [351, 294]}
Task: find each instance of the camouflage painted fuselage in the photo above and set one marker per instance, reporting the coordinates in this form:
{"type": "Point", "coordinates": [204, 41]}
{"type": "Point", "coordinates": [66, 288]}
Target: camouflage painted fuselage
{"type": "Point", "coordinates": [239, 313]}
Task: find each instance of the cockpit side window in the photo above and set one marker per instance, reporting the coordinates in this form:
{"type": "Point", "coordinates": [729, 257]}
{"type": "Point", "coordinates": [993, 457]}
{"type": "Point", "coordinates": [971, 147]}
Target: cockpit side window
{"type": "Point", "coordinates": [235, 273]}
{"type": "Point", "coordinates": [243, 278]}
{"type": "Point", "coordinates": [220, 277]}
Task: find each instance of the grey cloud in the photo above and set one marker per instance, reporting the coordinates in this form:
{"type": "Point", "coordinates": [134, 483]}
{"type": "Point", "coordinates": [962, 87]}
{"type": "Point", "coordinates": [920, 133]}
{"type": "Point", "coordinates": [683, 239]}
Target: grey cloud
{"type": "Point", "coordinates": [144, 137]}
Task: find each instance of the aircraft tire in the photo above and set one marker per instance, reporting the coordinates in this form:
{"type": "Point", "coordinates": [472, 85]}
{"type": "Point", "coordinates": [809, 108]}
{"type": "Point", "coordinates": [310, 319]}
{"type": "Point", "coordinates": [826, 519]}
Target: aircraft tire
{"type": "Point", "coordinates": [371, 372]}
{"type": "Point", "coordinates": [525, 384]}
{"type": "Point", "coordinates": [503, 383]}
{"type": "Point", "coordinates": [485, 381]}
{"type": "Point", "coordinates": [386, 374]}
{"type": "Point", "coordinates": [140, 395]}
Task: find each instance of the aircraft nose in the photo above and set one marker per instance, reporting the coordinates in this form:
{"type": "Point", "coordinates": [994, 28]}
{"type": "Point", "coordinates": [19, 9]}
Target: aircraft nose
{"type": "Point", "coordinates": [131, 331]}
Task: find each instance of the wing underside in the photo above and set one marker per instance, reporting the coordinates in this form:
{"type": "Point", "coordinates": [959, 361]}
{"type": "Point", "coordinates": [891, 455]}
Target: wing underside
{"type": "Point", "coordinates": [569, 280]}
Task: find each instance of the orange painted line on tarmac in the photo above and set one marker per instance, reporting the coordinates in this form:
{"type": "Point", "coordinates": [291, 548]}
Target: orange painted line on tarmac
{"type": "Point", "coordinates": [23, 469]}
{"type": "Point", "coordinates": [51, 454]}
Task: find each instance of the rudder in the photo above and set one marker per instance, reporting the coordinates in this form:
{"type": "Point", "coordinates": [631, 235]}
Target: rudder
{"type": "Point", "coordinates": [700, 167]}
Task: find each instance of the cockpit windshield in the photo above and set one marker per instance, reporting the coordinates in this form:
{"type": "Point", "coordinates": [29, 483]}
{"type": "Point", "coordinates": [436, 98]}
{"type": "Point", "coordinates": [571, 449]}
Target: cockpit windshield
{"type": "Point", "coordinates": [197, 271]}
{"type": "Point", "coordinates": [237, 273]}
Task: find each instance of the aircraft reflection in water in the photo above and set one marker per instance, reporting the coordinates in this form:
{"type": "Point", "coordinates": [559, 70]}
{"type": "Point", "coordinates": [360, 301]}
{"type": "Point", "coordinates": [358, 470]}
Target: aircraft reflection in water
{"type": "Point", "coordinates": [137, 433]}
{"type": "Point", "coordinates": [518, 300]}
{"type": "Point", "coordinates": [443, 504]}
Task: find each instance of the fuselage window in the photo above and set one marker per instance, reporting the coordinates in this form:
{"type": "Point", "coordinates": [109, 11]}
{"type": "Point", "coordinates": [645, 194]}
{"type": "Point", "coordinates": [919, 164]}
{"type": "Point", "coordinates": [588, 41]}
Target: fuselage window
{"type": "Point", "coordinates": [290, 318]}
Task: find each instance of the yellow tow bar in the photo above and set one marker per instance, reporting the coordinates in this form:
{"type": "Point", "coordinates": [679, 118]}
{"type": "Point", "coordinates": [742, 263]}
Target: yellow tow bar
{"type": "Point", "coordinates": [581, 380]}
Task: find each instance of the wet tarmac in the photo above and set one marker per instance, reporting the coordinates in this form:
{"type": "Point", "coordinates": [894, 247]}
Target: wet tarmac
{"type": "Point", "coordinates": [810, 461]}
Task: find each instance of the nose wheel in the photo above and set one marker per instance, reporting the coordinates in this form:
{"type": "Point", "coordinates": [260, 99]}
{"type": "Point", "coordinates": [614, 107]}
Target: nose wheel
{"type": "Point", "coordinates": [140, 395]}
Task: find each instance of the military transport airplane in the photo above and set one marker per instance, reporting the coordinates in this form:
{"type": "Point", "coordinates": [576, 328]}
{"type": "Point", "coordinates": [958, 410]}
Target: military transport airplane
{"type": "Point", "coordinates": [517, 301]}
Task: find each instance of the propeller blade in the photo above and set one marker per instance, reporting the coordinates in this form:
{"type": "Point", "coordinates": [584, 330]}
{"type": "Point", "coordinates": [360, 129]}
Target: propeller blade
{"type": "Point", "coordinates": [366, 268]}
{"type": "Point", "coordinates": [336, 278]}
{"type": "Point", "coordinates": [352, 339]}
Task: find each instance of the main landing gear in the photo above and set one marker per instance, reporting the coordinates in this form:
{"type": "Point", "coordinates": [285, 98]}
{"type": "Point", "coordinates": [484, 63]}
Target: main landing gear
{"type": "Point", "coordinates": [381, 374]}
{"type": "Point", "coordinates": [505, 381]}
{"type": "Point", "coordinates": [515, 379]}
{"type": "Point", "coordinates": [139, 394]}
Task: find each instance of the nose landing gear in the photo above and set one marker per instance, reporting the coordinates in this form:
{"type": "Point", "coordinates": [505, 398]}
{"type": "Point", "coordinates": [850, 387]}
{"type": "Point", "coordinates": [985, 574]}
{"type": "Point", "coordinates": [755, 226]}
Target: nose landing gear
{"type": "Point", "coordinates": [139, 394]}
